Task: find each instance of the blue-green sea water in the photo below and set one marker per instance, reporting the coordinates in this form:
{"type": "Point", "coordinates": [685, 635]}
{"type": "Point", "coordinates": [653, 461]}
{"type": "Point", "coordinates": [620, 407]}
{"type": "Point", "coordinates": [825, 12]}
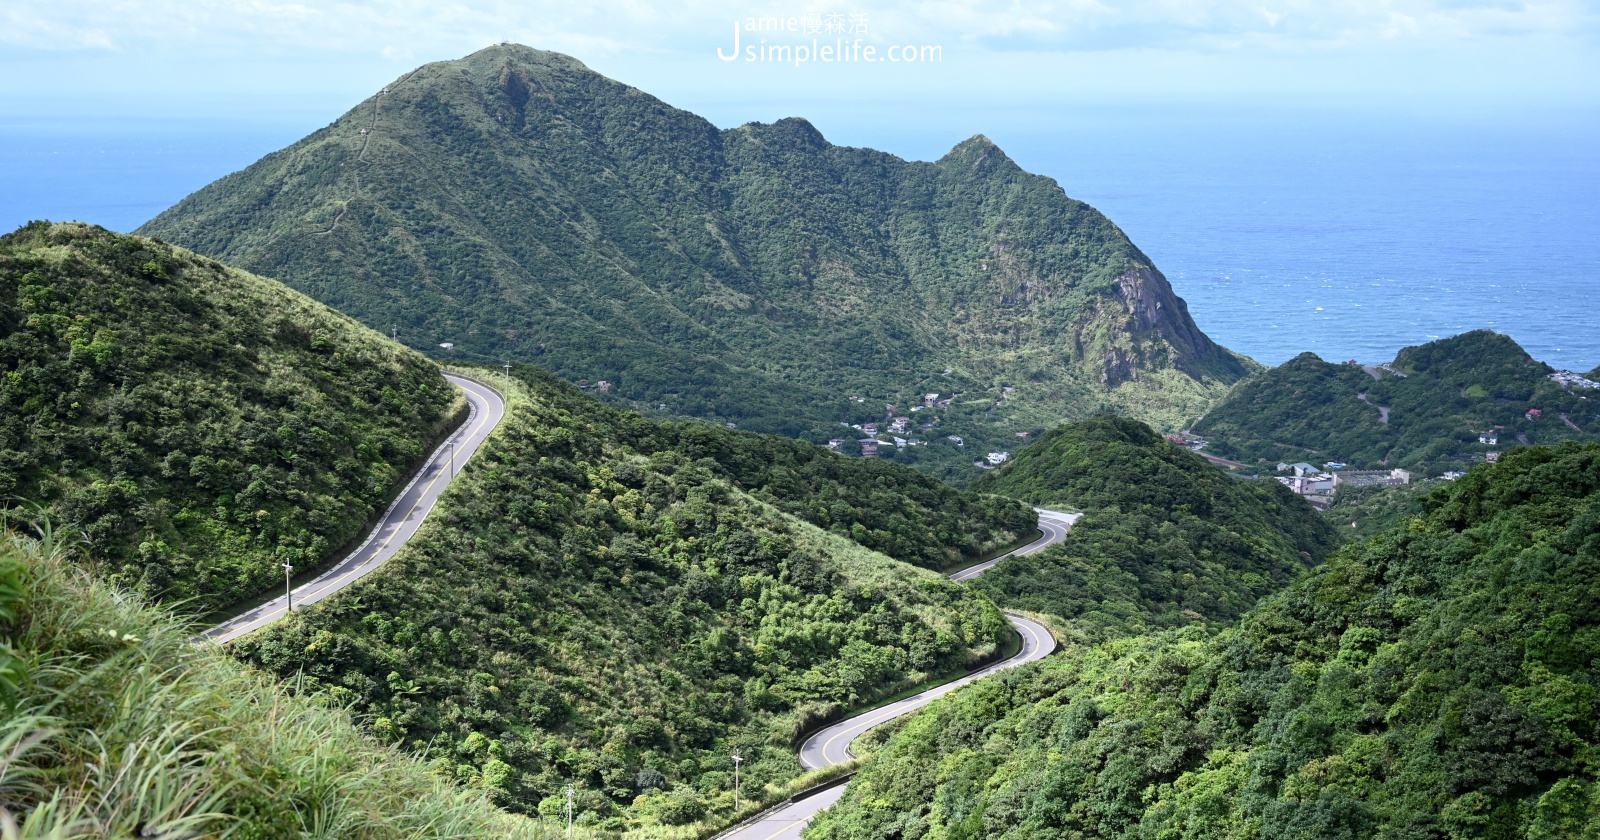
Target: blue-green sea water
{"type": "Point", "coordinates": [1350, 238]}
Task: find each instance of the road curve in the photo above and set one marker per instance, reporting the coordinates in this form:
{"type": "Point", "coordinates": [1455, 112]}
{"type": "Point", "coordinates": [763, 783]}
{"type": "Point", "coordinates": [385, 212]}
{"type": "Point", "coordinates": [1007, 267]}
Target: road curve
{"type": "Point", "coordinates": [399, 522]}
{"type": "Point", "coordinates": [832, 745]}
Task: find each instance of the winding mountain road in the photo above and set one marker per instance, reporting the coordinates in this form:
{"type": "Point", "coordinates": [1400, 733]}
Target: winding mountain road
{"type": "Point", "coordinates": [399, 522]}
{"type": "Point", "coordinates": [831, 745]}
{"type": "Point", "coordinates": [827, 747]}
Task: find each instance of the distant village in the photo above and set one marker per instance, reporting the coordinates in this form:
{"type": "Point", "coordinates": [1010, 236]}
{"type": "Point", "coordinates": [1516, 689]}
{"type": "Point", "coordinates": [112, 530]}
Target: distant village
{"type": "Point", "coordinates": [1318, 484]}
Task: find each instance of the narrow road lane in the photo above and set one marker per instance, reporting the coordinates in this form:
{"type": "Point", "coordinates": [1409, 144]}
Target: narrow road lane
{"type": "Point", "coordinates": [832, 745]}
{"type": "Point", "coordinates": [399, 522]}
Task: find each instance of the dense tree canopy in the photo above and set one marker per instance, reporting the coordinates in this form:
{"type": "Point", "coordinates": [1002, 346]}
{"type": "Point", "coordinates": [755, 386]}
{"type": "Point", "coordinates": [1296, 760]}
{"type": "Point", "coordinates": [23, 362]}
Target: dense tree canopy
{"type": "Point", "coordinates": [605, 601]}
{"type": "Point", "coordinates": [1439, 398]}
{"type": "Point", "coordinates": [1166, 538]}
{"type": "Point", "coordinates": [199, 424]}
{"type": "Point", "coordinates": [1437, 681]}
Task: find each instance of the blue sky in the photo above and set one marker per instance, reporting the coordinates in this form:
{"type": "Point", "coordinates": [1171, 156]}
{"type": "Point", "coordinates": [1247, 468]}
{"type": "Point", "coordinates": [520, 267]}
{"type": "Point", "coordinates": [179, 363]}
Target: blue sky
{"type": "Point", "coordinates": [1001, 61]}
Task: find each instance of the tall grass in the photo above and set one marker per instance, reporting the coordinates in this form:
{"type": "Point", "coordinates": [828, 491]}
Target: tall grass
{"type": "Point", "coordinates": [114, 723]}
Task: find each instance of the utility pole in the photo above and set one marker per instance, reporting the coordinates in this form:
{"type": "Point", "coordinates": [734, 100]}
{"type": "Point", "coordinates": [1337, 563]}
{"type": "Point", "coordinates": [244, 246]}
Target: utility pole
{"type": "Point", "coordinates": [569, 811]}
{"type": "Point", "coordinates": [394, 332]}
{"type": "Point", "coordinates": [288, 591]}
{"type": "Point", "coordinates": [507, 366]}
{"type": "Point", "coordinates": [737, 759]}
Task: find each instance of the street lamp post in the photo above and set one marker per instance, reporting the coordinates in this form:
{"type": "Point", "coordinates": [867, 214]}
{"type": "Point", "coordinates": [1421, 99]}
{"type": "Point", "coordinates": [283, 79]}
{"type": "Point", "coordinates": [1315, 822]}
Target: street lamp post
{"type": "Point", "coordinates": [288, 590]}
{"type": "Point", "coordinates": [737, 760]}
{"type": "Point", "coordinates": [569, 810]}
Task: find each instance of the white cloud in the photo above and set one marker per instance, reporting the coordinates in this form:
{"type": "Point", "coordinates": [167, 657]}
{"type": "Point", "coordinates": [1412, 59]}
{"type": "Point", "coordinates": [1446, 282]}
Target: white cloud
{"type": "Point", "coordinates": [394, 27]}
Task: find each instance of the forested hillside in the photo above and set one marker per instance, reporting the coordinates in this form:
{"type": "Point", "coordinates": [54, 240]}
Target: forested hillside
{"type": "Point", "coordinates": [1166, 538]}
{"type": "Point", "coordinates": [518, 205]}
{"type": "Point", "coordinates": [1436, 681]}
{"type": "Point", "coordinates": [1438, 398]}
{"type": "Point", "coordinates": [607, 602]}
{"type": "Point", "coordinates": [114, 724]}
{"type": "Point", "coordinates": [200, 425]}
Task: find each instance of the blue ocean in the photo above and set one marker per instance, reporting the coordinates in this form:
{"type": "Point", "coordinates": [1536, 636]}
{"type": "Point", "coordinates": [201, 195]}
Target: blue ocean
{"type": "Point", "coordinates": [1347, 237]}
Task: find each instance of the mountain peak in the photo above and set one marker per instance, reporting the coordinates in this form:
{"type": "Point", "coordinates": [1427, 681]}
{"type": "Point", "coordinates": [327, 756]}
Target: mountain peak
{"type": "Point", "coordinates": [517, 205]}
{"type": "Point", "coordinates": [975, 150]}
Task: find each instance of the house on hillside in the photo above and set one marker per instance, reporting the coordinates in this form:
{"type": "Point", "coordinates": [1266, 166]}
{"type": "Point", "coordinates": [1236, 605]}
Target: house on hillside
{"type": "Point", "coordinates": [1489, 439]}
{"type": "Point", "coordinates": [1371, 478]}
{"type": "Point", "coordinates": [958, 440]}
{"type": "Point", "coordinates": [869, 447]}
{"type": "Point", "coordinates": [998, 458]}
{"type": "Point", "coordinates": [835, 443]}
{"type": "Point", "coordinates": [1534, 414]}
{"type": "Point", "coordinates": [1491, 457]}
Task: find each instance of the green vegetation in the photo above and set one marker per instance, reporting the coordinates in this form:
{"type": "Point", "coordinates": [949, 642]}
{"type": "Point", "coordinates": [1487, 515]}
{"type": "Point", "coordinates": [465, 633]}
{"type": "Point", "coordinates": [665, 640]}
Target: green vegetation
{"type": "Point", "coordinates": [1373, 510]}
{"type": "Point", "coordinates": [113, 724]}
{"type": "Point", "coordinates": [1441, 396]}
{"type": "Point", "coordinates": [1166, 538]}
{"type": "Point", "coordinates": [1437, 681]}
{"type": "Point", "coordinates": [608, 602]}
{"type": "Point", "coordinates": [199, 424]}
{"type": "Point", "coordinates": [519, 205]}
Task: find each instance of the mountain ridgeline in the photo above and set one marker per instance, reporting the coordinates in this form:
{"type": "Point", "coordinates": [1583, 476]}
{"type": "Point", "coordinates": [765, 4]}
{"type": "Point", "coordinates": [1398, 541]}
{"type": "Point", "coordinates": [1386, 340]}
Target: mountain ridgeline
{"type": "Point", "coordinates": [1166, 538]}
{"type": "Point", "coordinates": [1427, 410]}
{"type": "Point", "coordinates": [518, 205]}
{"type": "Point", "coordinates": [200, 426]}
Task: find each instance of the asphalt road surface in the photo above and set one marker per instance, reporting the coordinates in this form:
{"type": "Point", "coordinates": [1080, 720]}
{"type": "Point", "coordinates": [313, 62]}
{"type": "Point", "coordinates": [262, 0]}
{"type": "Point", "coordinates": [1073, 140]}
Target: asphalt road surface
{"type": "Point", "coordinates": [832, 745]}
{"type": "Point", "coordinates": [399, 522]}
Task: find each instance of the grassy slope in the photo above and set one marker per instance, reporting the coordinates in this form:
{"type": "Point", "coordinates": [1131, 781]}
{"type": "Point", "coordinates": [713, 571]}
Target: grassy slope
{"type": "Point", "coordinates": [583, 612]}
{"type": "Point", "coordinates": [1166, 537]}
{"type": "Point", "coordinates": [1437, 681]}
{"type": "Point", "coordinates": [1453, 389]}
{"type": "Point", "coordinates": [518, 204]}
{"type": "Point", "coordinates": [200, 424]}
{"type": "Point", "coordinates": [116, 725]}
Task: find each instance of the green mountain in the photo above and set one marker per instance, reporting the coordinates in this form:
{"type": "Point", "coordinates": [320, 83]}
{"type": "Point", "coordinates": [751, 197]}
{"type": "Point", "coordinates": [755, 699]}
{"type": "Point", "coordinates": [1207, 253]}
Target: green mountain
{"type": "Point", "coordinates": [200, 425]}
{"type": "Point", "coordinates": [1438, 681]}
{"type": "Point", "coordinates": [1424, 411]}
{"type": "Point", "coordinates": [519, 206]}
{"type": "Point", "coordinates": [1166, 538]}
{"type": "Point", "coordinates": [114, 724]}
{"type": "Point", "coordinates": [604, 601]}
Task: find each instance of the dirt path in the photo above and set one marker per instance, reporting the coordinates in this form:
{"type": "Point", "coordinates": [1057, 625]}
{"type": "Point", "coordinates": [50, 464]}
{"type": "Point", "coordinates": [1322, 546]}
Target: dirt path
{"type": "Point", "coordinates": [1571, 425]}
{"type": "Point", "coordinates": [366, 140]}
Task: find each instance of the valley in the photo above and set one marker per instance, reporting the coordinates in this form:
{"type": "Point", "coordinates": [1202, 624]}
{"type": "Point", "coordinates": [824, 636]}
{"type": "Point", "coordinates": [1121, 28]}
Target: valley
{"type": "Point", "coordinates": [569, 466]}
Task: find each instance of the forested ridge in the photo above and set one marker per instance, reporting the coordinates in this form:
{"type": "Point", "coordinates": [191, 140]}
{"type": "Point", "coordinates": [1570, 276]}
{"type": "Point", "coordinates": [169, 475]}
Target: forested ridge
{"type": "Point", "coordinates": [518, 205]}
{"type": "Point", "coordinates": [1440, 398]}
{"type": "Point", "coordinates": [608, 602]}
{"type": "Point", "coordinates": [200, 425]}
{"type": "Point", "coordinates": [1436, 681]}
{"type": "Point", "coordinates": [1166, 538]}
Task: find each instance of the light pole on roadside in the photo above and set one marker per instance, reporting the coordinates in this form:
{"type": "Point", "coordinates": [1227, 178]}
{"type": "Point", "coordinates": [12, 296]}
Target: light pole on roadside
{"type": "Point", "coordinates": [569, 810]}
{"type": "Point", "coordinates": [737, 760]}
{"type": "Point", "coordinates": [288, 590]}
